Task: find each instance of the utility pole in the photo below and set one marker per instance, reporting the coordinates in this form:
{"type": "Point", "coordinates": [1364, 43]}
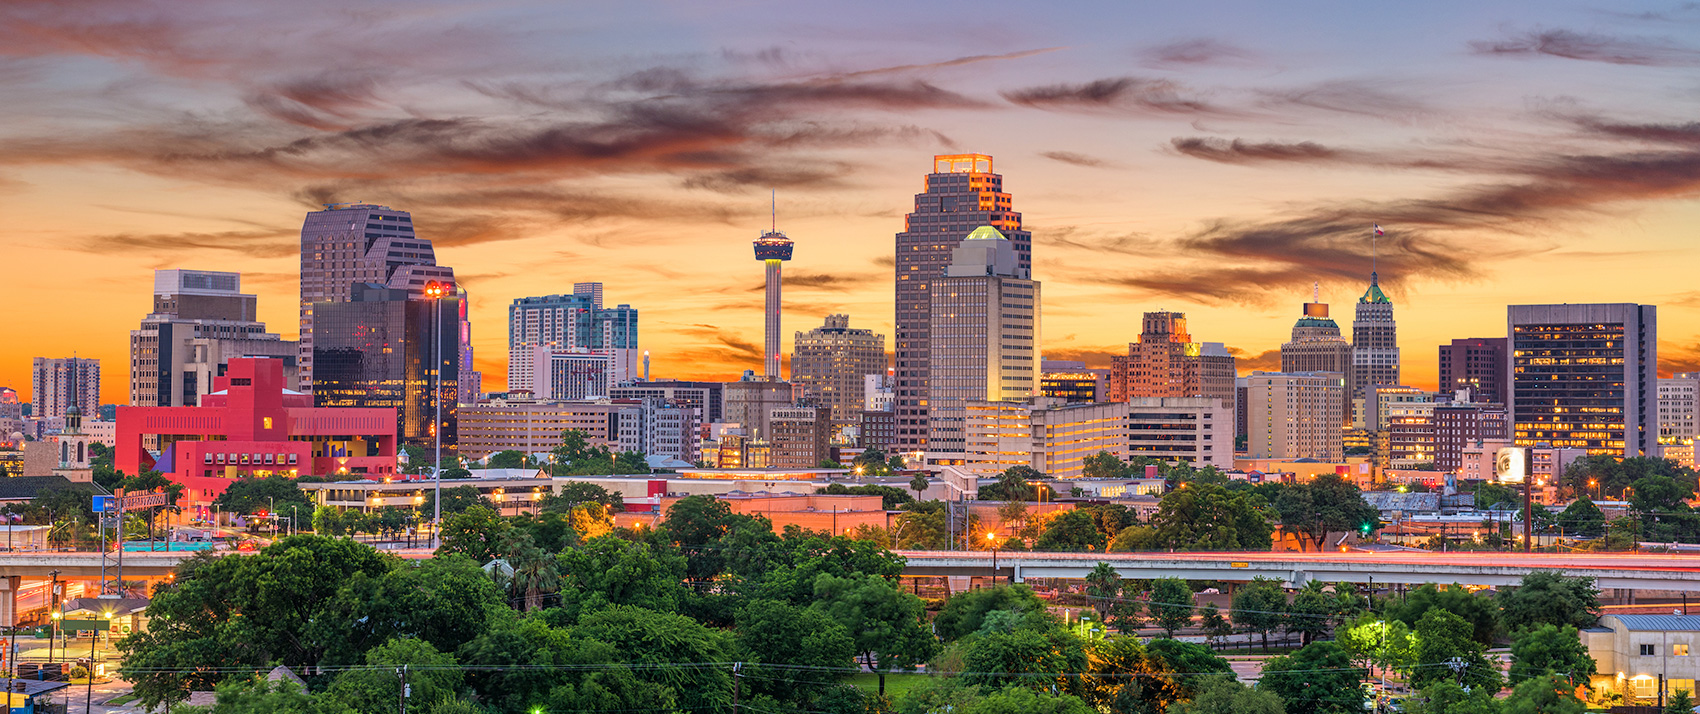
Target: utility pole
{"type": "Point", "coordinates": [737, 684]}
{"type": "Point", "coordinates": [1528, 500]}
{"type": "Point", "coordinates": [406, 689]}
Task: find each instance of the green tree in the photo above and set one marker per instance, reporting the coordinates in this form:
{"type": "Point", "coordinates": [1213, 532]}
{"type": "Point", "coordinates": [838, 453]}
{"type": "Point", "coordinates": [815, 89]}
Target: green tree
{"type": "Point", "coordinates": [455, 500]}
{"type": "Point", "coordinates": [1478, 610]}
{"type": "Point", "coordinates": [1188, 664]}
{"type": "Point", "coordinates": [610, 570]}
{"type": "Point", "coordinates": [1028, 657]}
{"type": "Point", "coordinates": [891, 497]}
{"type": "Point", "coordinates": [1104, 465]}
{"type": "Point", "coordinates": [1679, 702]}
{"type": "Point", "coordinates": [663, 646]}
{"type": "Point", "coordinates": [528, 665]}
{"type": "Point", "coordinates": [1583, 519]}
{"type": "Point", "coordinates": [576, 493]}
{"type": "Point", "coordinates": [1017, 483]}
{"type": "Point", "coordinates": [432, 675]}
{"type": "Point", "coordinates": [1446, 697]}
{"type": "Point", "coordinates": [695, 525]}
{"type": "Point", "coordinates": [1070, 531]}
{"type": "Point", "coordinates": [1318, 679]}
{"type": "Point", "coordinates": [918, 484]}
{"type": "Point", "coordinates": [1551, 650]}
{"type": "Point", "coordinates": [1543, 695]}
{"type": "Point", "coordinates": [1225, 695]}
{"type": "Point", "coordinates": [965, 612]}
{"type": "Point", "coordinates": [508, 459]}
{"type": "Point", "coordinates": [1549, 597]}
{"type": "Point", "coordinates": [252, 495]}
{"type": "Point", "coordinates": [1442, 638]}
{"type": "Point", "coordinates": [1377, 641]}
{"type": "Point", "coordinates": [1312, 612]}
{"type": "Point", "coordinates": [811, 649]}
{"type": "Point", "coordinates": [1327, 504]}
{"type": "Point", "coordinates": [1214, 624]}
{"type": "Point", "coordinates": [1103, 588]}
{"type": "Point", "coordinates": [886, 624]}
{"type": "Point", "coordinates": [258, 696]}
{"type": "Point", "coordinates": [1204, 516]}
{"type": "Point", "coordinates": [1490, 495]}
{"type": "Point", "coordinates": [476, 533]}
{"type": "Point", "coordinates": [1171, 604]}
{"type": "Point", "coordinates": [1259, 606]}
{"type": "Point", "coordinates": [534, 572]}
{"type": "Point", "coordinates": [923, 525]}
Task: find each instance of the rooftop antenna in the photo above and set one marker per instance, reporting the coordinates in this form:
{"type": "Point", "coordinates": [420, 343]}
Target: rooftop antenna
{"type": "Point", "coordinates": [1316, 291]}
{"type": "Point", "coordinates": [773, 196]}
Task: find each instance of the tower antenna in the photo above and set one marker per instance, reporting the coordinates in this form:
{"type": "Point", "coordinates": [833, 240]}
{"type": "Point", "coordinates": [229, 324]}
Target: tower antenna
{"type": "Point", "coordinates": [773, 198]}
{"type": "Point", "coordinates": [1316, 291]}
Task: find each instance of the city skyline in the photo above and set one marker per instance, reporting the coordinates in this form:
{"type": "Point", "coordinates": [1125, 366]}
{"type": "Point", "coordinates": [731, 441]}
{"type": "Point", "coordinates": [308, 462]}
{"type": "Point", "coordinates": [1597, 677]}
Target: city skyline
{"type": "Point", "coordinates": [1514, 153]}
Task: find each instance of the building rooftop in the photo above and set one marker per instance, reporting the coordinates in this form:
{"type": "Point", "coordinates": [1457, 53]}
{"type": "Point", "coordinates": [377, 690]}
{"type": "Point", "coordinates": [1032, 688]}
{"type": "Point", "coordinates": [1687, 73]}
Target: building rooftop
{"type": "Point", "coordinates": [1659, 623]}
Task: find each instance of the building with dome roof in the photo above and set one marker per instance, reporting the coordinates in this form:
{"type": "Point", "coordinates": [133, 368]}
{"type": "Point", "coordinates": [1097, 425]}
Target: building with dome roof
{"type": "Point", "coordinates": [1375, 341]}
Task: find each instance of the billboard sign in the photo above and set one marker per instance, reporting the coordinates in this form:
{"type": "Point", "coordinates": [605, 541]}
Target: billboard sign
{"type": "Point", "coordinates": [1508, 465]}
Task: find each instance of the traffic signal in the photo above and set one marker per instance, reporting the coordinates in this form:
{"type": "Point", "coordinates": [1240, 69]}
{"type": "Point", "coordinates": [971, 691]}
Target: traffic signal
{"type": "Point", "coordinates": [1366, 528]}
{"type": "Point", "coordinates": [264, 513]}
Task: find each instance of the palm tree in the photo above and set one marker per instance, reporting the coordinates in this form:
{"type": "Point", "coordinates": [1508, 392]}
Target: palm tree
{"type": "Point", "coordinates": [534, 574]}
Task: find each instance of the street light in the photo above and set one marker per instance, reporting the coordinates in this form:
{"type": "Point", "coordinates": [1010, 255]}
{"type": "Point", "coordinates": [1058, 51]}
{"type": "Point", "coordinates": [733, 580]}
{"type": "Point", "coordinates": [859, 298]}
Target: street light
{"type": "Point", "coordinates": [436, 291]}
{"type": "Point", "coordinates": [992, 540]}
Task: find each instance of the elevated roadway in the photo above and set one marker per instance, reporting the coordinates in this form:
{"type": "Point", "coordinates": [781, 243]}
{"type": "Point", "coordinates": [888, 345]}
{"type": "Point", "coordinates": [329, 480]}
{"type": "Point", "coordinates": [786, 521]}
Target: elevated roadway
{"type": "Point", "coordinates": [1638, 571]}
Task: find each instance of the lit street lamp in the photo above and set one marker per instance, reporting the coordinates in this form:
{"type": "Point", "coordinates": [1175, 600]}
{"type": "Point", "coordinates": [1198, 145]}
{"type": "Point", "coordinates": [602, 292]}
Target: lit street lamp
{"type": "Point", "coordinates": [436, 292]}
{"type": "Point", "coordinates": [992, 540]}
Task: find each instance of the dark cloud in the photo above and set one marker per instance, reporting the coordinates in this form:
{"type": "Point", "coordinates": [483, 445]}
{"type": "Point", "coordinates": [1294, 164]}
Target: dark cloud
{"type": "Point", "coordinates": [958, 62]}
{"type": "Point", "coordinates": [1360, 98]}
{"type": "Point", "coordinates": [1646, 51]}
{"type": "Point", "coordinates": [1674, 358]}
{"type": "Point", "coordinates": [1266, 361]}
{"type": "Point", "coordinates": [1123, 94]}
{"type": "Point", "coordinates": [1239, 151]}
{"type": "Point", "coordinates": [258, 243]}
{"type": "Point", "coordinates": [840, 282]}
{"type": "Point", "coordinates": [1069, 157]}
{"type": "Point", "coordinates": [1094, 357]}
{"type": "Point", "coordinates": [328, 102]}
{"type": "Point", "coordinates": [1686, 134]}
{"type": "Point", "coordinates": [1200, 51]}
{"type": "Point", "coordinates": [739, 345]}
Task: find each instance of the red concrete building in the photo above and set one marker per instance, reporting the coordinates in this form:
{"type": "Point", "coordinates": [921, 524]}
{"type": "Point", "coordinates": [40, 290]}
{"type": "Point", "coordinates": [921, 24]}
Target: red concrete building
{"type": "Point", "coordinates": [250, 425]}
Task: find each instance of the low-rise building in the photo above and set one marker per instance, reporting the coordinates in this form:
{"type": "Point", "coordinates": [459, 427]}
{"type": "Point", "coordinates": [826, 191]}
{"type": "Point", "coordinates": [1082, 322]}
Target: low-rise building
{"type": "Point", "coordinates": [530, 427]}
{"type": "Point", "coordinates": [1645, 658]}
{"type": "Point", "coordinates": [1190, 430]}
{"type": "Point", "coordinates": [799, 437]}
{"type": "Point", "coordinates": [1050, 436]}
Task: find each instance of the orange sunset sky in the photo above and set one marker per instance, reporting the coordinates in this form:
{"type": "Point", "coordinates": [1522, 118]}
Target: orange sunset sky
{"type": "Point", "coordinates": [1212, 158]}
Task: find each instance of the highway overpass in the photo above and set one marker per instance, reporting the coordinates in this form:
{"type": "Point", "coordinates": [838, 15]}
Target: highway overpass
{"type": "Point", "coordinates": [1638, 571]}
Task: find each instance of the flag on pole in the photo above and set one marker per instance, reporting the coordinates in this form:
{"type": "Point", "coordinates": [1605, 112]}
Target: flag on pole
{"type": "Point", "coordinates": [1378, 229]}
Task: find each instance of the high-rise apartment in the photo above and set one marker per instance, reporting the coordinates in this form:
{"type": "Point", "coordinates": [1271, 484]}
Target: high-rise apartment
{"type": "Point", "coordinates": [961, 194]}
{"type": "Point", "coordinates": [570, 322]}
{"type": "Point", "coordinates": [1189, 430]}
{"type": "Point", "coordinates": [1585, 377]}
{"type": "Point", "coordinates": [360, 243]}
{"type": "Point", "coordinates": [1295, 415]}
{"type": "Point", "coordinates": [1457, 425]}
{"type": "Point", "coordinates": [1375, 340]}
{"type": "Point", "coordinates": [200, 321]}
{"type": "Point", "coordinates": [1165, 362]}
{"type": "Point", "coordinates": [384, 348]}
{"type": "Point", "coordinates": [983, 337]}
{"type": "Point", "coordinates": [1049, 435]}
{"type": "Point", "coordinates": [1479, 364]}
{"type": "Point", "coordinates": [1317, 346]}
{"type": "Point", "coordinates": [832, 363]}
{"type": "Point", "coordinates": [1679, 407]}
{"type": "Point", "coordinates": [58, 383]}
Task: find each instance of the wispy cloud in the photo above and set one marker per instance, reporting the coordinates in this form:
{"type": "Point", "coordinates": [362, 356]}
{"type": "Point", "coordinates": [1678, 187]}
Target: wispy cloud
{"type": "Point", "coordinates": [1119, 94]}
{"type": "Point", "coordinates": [1646, 51]}
{"type": "Point", "coordinates": [1069, 157]}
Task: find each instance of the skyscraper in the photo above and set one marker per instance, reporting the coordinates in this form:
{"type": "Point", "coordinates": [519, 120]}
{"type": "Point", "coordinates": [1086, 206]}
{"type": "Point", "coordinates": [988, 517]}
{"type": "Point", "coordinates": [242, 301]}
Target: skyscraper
{"type": "Point", "coordinates": [1317, 346]}
{"type": "Point", "coordinates": [1295, 415]}
{"type": "Point", "coordinates": [349, 243]}
{"type": "Point", "coordinates": [1679, 407]}
{"type": "Point", "coordinates": [56, 384]}
{"type": "Point", "coordinates": [1375, 341]}
{"type": "Point", "coordinates": [1165, 362]}
{"type": "Point", "coordinates": [384, 348]}
{"type": "Point", "coordinates": [832, 363]}
{"type": "Point", "coordinates": [961, 195]}
{"type": "Point", "coordinates": [200, 321]}
{"type": "Point", "coordinates": [1585, 377]}
{"type": "Point", "coordinates": [1479, 364]}
{"type": "Point", "coordinates": [772, 249]}
{"type": "Point", "coordinates": [984, 337]}
{"type": "Point", "coordinates": [567, 323]}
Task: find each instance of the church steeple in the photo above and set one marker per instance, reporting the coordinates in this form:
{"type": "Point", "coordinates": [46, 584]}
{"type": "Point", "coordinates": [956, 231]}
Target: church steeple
{"type": "Point", "coordinates": [74, 413]}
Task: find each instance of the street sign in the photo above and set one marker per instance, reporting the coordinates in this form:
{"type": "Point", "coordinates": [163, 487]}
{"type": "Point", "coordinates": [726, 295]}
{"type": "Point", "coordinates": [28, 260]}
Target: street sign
{"type": "Point", "coordinates": [87, 625]}
{"type": "Point", "coordinates": [103, 504]}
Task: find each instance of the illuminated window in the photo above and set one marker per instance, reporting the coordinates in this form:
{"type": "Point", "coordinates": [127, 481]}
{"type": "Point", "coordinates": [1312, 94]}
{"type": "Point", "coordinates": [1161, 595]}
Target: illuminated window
{"type": "Point", "coordinates": [1679, 650]}
{"type": "Point", "coordinates": [266, 423]}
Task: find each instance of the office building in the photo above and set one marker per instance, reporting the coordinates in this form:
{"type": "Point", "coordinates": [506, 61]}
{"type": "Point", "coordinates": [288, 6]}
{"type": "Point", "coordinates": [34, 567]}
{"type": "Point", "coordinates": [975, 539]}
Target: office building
{"type": "Point", "coordinates": [1479, 364]}
{"type": "Point", "coordinates": [705, 397]}
{"type": "Point", "coordinates": [1296, 415]}
{"type": "Point", "coordinates": [878, 392]}
{"type": "Point", "coordinates": [1585, 377]}
{"type": "Point", "coordinates": [1072, 382]}
{"type": "Point", "coordinates": [533, 427]}
{"type": "Point", "coordinates": [352, 244]}
{"type": "Point", "coordinates": [251, 425]}
{"type": "Point", "coordinates": [799, 437]}
{"type": "Point", "coordinates": [199, 322]}
{"type": "Point", "coordinates": [568, 323]}
{"type": "Point", "coordinates": [832, 362]}
{"type": "Point", "coordinates": [1189, 430]}
{"type": "Point", "coordinates": [386, 349]}
{"type": "Point", "coordinates": [983, 338]}
{"type": "Point", "coordinates": [1460, 424]}
{"type": "Point", "coordinates": [559, 373]}
{"type": "Point", "coordinates": [471, 380]}
{"type": "Point", "coordinates": [961, 195]}
{"type": "Point", "coordinates": [655, 427]}
{"type": "Point", "coordinates": [58, 383]}
{"type": "Point", "coordinates": [749, 401]}
{"type": "Point", "coordinates": [878, 430]}
{"type": "Point", "coordinates": [1165, 362]}
{"type": "Point", "coordinates": [1679, 405]}
{"type": "Point", "coordinates": [1316, 346]}
{"type": "Point", "coordinates": [772, 249]}
{"type": "Point", "coordinates": [1412, 441]}
{"type": "Point", "coordinates": [1051, 436]}
{"type": "Point", "coordinates": [1383, 403]}
{"type": "Point", "coordinates": [1375, 340]}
